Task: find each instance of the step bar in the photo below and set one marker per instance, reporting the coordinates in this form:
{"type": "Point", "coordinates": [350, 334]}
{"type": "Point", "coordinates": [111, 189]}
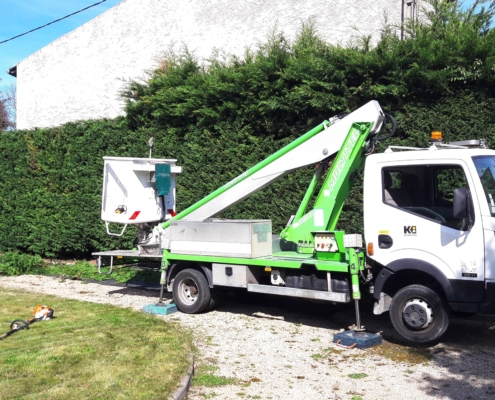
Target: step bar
{"type": "Point", "coordinates": [305, 293]}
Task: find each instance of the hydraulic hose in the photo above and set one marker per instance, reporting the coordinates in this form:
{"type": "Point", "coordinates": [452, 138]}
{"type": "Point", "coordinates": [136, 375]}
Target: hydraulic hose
{"type": "Point", "coordinates": [378, 137]}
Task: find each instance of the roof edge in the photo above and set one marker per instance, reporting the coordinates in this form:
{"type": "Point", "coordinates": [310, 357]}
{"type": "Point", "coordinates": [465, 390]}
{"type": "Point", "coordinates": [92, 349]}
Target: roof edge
{"type": "Point", "coordinates": [12, 71]}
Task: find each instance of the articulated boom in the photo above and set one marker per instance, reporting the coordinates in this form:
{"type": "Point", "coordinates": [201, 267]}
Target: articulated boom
{"type": "Point", "coordinates": [315, 146]}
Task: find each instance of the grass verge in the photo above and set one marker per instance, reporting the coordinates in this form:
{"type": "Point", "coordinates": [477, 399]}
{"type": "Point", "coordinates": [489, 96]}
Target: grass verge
{"type": "Point", "coordinates": [205, 376]}
{"type": "Point", "coordinates": [124, 270]}
{"type": "Point", "coordinates": [88, 350]}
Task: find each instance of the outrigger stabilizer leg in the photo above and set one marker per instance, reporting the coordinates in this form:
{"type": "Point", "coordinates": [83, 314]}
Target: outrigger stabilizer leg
{"type": "Point", "coordinates": [357, 327]}
{"type": "Point", "coordinates": [356, 337]}
{"type": "Point", "coordinates": [161, 307]}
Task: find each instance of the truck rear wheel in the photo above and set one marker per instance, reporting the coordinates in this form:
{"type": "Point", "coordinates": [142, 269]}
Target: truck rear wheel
{"type": "Point", "coordinates": [191, 291]}
{"type": "Point", "coordinates": [418, 314]}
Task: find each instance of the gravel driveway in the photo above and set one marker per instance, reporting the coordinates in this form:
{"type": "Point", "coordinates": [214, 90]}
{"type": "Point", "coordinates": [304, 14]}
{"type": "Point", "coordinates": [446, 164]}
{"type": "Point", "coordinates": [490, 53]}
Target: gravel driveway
{"type": "Point", "coordinates": [280, 348]}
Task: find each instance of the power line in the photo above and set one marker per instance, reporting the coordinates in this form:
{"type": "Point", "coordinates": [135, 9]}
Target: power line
{"type": "Point", "coordinates": [60, 19]}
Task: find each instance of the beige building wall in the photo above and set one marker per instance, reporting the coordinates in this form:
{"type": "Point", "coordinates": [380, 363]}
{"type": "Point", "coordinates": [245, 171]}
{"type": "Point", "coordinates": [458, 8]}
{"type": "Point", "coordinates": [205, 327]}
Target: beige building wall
{"type": "Point", "coordinates": [79, 75]}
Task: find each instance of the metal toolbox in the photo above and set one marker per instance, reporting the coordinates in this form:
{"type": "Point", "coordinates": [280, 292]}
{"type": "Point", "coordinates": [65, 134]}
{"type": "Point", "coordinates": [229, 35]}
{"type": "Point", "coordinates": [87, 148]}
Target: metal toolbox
{"type": "Point", "coordinates": [222, 237]}
{"type": "Point", "coordinates": [234, 275]}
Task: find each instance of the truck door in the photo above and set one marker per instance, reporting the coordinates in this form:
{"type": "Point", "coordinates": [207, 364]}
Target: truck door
{"type": "Point", "coordinates": [485, 168]}
{"type": "Point", "coordinates": [413, 227]}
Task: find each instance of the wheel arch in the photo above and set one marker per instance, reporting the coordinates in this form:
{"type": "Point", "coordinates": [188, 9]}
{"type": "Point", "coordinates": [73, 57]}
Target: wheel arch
{"type": "Point", "coordinates": [178, 266]}
{"type": "Point", "coordinates": [409, 271]}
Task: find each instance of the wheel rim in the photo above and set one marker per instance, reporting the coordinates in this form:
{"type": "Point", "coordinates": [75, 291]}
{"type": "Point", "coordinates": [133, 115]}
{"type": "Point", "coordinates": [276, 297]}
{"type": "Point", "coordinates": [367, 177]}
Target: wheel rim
{"type": "Point", "coordinates": [188, 291]}
{"type": "Point", "coordinates": [418, 314]}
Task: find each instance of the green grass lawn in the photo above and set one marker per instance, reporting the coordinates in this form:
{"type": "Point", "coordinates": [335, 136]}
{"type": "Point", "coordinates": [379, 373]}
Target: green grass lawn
{"type": "Point", "coordinates": [88, 351]}
{"type": "Point", "coordinates": [124, 269]}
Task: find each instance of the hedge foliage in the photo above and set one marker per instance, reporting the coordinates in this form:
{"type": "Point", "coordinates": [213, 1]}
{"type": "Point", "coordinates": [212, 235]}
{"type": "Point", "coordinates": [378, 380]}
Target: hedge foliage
{"type": "Point", "coordinates": [50, 187]}
{"type": "Point", "coordinates": [221, 118]}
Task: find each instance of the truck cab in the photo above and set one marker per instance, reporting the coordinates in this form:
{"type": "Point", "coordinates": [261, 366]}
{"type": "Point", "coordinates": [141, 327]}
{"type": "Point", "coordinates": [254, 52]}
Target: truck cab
{"type": "Point", "coordinates": [430, 229]}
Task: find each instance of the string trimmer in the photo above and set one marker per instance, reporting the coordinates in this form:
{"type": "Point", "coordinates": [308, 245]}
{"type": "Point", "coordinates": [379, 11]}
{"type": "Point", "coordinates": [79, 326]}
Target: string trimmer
{"type": "Point", "coordinates": [41, 313]}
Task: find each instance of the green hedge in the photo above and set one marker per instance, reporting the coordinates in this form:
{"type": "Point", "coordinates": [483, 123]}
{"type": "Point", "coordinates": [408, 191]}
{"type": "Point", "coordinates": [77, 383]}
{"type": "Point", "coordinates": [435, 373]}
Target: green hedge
{"type": "Point", "coordinates": [50, 187]}
{"type": "Point", "coordinates": [220, 120]}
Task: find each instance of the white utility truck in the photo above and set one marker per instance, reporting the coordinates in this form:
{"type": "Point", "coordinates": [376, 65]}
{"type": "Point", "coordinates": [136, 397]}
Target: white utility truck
{"type": "Point", "coordinates": [429, 226]}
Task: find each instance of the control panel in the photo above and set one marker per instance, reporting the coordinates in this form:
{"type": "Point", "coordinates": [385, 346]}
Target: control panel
{"type": "Point", "coordinates": [325, 241]}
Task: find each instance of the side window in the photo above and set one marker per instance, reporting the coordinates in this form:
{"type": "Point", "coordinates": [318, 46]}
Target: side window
{"type": "Point", "coordinates": [425, 190]}
{"type": "Point", "coordinates": [447, 179]}
{"type": "Point", "coordinates": [396, 179]}
{"type": "Point", "coordinates": [392, 184]}
{"type": "Point", "coordinates": [486, 173]}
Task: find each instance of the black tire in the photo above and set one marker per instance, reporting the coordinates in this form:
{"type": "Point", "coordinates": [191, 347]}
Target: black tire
{"type": "Point", "coordinates": [214, 299]}
{"type": "Point", "coordinates": [191, 291]}
{"type": "Point", "coordinates": [418, 314]}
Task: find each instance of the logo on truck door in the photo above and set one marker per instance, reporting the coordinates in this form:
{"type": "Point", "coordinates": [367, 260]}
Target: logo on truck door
{"type": "Point", "coordinates": [410, 230]}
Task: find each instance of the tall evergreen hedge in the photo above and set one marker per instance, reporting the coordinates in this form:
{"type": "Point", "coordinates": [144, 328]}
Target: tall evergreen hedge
{"type": "Point", "coordinates": [218, 120]}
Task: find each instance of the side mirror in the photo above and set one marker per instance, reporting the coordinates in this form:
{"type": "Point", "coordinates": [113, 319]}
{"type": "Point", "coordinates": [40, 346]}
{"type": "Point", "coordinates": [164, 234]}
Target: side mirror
{"type": "Point", "coordinates": [463, 207]}
{"type": "Point", "coordinates": [461, 196]}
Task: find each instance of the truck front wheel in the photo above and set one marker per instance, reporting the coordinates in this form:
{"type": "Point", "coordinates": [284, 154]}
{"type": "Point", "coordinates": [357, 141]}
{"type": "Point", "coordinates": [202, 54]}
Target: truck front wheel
{"type": "Point", "coordinates": [418, 314]}
{"type": "Point", "coordinates": [191, 291]}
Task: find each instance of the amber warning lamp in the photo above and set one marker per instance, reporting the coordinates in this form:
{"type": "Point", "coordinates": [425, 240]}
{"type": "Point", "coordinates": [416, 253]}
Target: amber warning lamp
{"type": "Point", "coordinates": [370, 249]}
{"type": "Point", "coordinates": [436, 136]}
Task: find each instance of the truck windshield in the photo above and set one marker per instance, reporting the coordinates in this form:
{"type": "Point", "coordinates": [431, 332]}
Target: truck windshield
{"type": "Point", "coordinates": [485, 165]}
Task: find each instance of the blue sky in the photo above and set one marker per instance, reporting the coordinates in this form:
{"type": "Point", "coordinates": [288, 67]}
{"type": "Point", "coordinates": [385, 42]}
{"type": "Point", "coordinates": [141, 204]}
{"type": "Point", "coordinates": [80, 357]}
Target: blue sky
{"type": "Point", "coordinates": [19, 16]}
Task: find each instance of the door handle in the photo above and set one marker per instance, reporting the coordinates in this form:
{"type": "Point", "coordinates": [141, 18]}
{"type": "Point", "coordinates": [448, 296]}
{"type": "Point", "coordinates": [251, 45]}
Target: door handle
{"type": "Point", "coordinates": [385, 242]}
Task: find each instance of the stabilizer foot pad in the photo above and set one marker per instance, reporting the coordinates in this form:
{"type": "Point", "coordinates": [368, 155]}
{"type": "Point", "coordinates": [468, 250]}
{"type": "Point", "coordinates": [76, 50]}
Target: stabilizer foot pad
{"type": "Point", "coordinates": [160, 308]}
{"type": "Point", "coordinates": [360, 340]}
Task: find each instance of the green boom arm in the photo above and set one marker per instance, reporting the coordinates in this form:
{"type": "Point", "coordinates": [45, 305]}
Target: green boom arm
{"type": "Point", "coordinates": [344, 138]}
{"type": "Point", "coordinates": [334, 190]}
